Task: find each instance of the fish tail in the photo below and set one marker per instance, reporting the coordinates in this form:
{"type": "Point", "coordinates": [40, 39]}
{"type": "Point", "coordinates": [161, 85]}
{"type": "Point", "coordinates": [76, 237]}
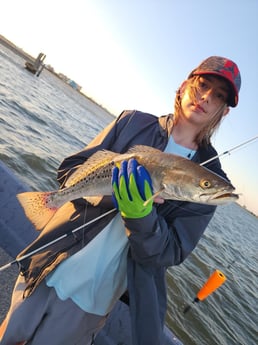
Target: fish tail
{"type": "Point", "coordinates": [38, 207]}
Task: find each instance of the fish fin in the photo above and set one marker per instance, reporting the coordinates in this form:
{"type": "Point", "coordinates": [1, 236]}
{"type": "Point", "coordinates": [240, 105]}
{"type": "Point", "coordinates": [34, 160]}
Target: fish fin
{"type": "Point", "coordinates": [152, 197]}
{"type": "Point", "coordinates": [64, 175]}
{"type": "Point", "coordinates": [97, 160]}
{"type": "Point", "coordinates": [143, 148]}
{"type": "Point", "coordinates": [36, 207]}
{"type": "Point", "coordinates": [93, 200]}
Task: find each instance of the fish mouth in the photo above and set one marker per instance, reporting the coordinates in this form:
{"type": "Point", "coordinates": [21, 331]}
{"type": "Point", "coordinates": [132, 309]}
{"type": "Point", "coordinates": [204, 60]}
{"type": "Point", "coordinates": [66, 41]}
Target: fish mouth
{"type": "Point", "coordinates": [220, 197]}
{"type": "Point", "coordinates": [226, 196]}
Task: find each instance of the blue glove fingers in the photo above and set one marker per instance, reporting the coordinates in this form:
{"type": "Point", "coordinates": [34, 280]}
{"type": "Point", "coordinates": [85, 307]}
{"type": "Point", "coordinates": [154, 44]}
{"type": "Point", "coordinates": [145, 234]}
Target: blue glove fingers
{"type": "Point", "coordinates": [115, 184]}
{"type": "Point", "coordinates": [123, 171]}
{"type": "Point", "coordinates": [114, 179]}
{"type": "Point", "coordinates": [142, 178]}
{"type": "Point", "coordinates": [132, 166]}
{"type": "Point", "coordinates": [131, 185]}
{"type": "Point", "coordinates": [130, 177]}
{"type": "Point", "coordinates": [124, 180]}
{"type": "Point", "coordinates": [132, 170]}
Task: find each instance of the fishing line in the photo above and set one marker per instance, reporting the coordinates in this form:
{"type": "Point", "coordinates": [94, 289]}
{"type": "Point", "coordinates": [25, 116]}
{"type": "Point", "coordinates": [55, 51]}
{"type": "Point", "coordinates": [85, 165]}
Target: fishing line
{"type": "Point", "coordinates": [231, 263]}
{"type": "Point", "coordinates": [17, 261]}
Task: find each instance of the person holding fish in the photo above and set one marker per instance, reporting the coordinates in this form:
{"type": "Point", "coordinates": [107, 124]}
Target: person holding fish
{"type": "Point", "coordinates": [149, 168]}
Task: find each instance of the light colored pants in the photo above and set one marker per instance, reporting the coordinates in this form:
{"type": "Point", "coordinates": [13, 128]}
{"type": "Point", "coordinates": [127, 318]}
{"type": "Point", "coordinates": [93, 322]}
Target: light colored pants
{"type": "Point", "coordinates": [44, 319]}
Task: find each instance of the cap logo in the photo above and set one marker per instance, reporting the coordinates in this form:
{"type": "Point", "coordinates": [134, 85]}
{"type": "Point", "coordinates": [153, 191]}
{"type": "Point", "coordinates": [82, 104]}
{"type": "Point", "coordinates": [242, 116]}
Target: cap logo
{"type": "Point", "coordinates": [231, 71]}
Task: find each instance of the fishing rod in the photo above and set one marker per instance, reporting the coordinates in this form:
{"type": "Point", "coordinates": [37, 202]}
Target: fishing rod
{"type": "Point", "coordinates": [16, 261]}
{"type": "Point", "coordinates": [230, 150]}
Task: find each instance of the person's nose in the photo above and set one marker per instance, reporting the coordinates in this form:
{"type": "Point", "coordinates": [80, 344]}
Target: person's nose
{"type": "Point", "coordinates": [207, 94]}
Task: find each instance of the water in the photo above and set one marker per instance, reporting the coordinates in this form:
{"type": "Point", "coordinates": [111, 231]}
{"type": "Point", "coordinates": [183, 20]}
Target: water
{"type": "Point", "coordinates": [229, 316]}
{"type": "Point", "coordinates": [43, 120]}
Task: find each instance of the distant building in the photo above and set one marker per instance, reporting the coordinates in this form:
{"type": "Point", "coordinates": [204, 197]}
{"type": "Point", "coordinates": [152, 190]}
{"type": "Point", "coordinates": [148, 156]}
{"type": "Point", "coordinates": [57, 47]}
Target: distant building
{"type": "Point", "coordinates": [74, 85]}
{"type": "Point", "coordinates": [63, 77]}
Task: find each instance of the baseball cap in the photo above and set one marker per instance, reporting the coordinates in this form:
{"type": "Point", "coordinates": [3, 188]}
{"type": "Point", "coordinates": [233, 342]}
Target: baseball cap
{"type": "Point", "coordinates": [225, 68]}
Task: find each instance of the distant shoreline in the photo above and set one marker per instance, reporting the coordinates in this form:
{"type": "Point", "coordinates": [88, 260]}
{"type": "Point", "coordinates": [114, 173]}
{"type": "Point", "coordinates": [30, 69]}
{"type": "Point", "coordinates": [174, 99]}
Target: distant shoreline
{"type": "Point", "coordinates": [246, 209]}
{"type": "Point", "coordinates": [20, 52]}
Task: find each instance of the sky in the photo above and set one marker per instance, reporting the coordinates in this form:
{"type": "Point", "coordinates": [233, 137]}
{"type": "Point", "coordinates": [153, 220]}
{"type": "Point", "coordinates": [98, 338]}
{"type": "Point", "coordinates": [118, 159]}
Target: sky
{"type": "Point", "coordinates": [135, 54]}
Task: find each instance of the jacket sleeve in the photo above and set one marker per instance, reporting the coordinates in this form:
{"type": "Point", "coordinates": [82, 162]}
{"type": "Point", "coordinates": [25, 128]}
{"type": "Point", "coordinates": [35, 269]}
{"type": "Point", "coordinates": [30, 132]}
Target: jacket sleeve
{"type": "Point", "coordinates": [157, 240]}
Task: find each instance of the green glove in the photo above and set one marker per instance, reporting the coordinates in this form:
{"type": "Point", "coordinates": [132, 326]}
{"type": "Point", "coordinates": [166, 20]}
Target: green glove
{"type": "Point", "coordinates": [131, 188]}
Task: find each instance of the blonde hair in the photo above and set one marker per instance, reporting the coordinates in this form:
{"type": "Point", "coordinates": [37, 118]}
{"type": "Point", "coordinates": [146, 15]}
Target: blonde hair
{"type": "Point", "coordinates": [206, 132]}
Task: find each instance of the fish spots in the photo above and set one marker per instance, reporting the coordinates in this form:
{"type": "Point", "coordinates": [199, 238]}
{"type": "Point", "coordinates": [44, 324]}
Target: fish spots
{"type": "Point", "coordinates": [173, 178]}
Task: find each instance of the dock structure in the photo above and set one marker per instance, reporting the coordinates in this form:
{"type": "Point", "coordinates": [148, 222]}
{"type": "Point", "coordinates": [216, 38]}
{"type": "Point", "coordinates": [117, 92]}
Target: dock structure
{"type": "Point", "coordinates": [37, 66]}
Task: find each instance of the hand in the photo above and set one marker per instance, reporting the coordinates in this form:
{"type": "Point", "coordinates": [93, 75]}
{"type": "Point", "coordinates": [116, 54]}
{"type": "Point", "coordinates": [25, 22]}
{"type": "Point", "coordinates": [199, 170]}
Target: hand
{"type": "Point", "coordinates": [131, 188]}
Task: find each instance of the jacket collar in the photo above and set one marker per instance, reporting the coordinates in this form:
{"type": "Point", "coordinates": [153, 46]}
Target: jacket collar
{"type": "Point", "coordinates": [166, 125]}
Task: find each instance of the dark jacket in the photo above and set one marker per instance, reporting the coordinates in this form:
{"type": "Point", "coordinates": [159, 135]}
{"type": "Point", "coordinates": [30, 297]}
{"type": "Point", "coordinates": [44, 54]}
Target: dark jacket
{"type": "Point", "coordinates": [163, 238]}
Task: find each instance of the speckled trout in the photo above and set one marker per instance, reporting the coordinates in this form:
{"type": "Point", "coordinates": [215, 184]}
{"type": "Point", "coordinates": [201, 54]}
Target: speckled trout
{"type": "Point", "coordinates": [173, 177]}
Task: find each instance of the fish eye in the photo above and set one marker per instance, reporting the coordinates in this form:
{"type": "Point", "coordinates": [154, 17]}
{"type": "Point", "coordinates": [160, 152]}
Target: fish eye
{"type": "Point", "coordinates": [205, 184]}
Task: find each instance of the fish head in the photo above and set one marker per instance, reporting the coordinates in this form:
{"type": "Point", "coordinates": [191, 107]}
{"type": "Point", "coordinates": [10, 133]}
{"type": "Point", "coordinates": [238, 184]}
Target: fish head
{"type": "Point", "coordinates": [188, 181]}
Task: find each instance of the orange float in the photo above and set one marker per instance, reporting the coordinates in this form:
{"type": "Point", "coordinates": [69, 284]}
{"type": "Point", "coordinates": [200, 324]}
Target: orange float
{"type": "Point", "coordinates": [213, 283]}
{"type": "Point", "coordinates": [216, 279]}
